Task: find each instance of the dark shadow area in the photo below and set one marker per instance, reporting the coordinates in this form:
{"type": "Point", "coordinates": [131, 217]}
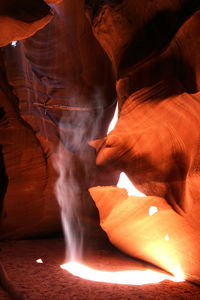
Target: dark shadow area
{"type": "Point", "coordinates": [3, 175]}
{"type": "Point", "coordinates": [188, 78]}
{"type": "Point", "coordinates": [3, 181]}
{"type": "Point", "coordinates": [26, 11]}
{"type": "Point", "coordinates": [97, 5]}
{"type": "Point", "coordinates": [156, 34]}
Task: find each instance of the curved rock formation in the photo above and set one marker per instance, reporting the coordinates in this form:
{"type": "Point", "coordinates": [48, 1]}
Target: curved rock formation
{"type": "Point", "coordinates": [65, 95]}
{"type": "Point", "coordinates": [154, 49]}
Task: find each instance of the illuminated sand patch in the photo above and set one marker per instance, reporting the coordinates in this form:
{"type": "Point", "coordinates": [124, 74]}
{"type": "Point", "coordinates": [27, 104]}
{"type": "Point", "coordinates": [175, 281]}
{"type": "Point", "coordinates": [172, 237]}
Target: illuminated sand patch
{"type": "Point", "coordinates": [131, 277]}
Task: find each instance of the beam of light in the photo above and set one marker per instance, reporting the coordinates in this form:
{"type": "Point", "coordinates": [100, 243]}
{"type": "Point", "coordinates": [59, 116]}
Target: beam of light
{"type": "Point", "coordinates": [131, 277]}
{"type": "Point", "coordinates": [39, 261]}
{"type": "Point", "coordinates": [125, 183]}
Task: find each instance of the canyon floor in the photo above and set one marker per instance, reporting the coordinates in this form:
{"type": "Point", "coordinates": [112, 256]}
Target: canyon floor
{"type": "Point", "coordinates": [38, 281]}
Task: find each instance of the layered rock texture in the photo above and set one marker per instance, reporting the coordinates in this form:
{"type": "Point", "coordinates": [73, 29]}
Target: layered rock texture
{"type": "Point", "coordinates": [58, 91]}
{"type": "Point", "coordinates": [61, 94]}
{"type": "Point", "coordinates": [154, 49]}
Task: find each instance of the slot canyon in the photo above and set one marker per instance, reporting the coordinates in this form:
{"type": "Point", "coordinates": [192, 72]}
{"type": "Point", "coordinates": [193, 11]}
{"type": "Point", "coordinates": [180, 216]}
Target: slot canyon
{"type": "Point", "coordinates": [99, 149]}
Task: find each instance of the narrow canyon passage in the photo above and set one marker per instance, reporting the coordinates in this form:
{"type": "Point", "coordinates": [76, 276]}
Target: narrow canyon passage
{"type": "Point", "coordinates": [64, 67]}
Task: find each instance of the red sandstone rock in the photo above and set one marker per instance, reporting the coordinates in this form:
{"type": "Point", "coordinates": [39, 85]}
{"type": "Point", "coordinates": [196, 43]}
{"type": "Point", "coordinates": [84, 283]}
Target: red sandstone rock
{"type": "Point", "coordinates": [61, 74]}
{"type": "Point", "coordinates": [155, 141]}
{"type": "Point", "coordinates": [62, 79]}
{"type": "Point", "coordinates": [147, 228]}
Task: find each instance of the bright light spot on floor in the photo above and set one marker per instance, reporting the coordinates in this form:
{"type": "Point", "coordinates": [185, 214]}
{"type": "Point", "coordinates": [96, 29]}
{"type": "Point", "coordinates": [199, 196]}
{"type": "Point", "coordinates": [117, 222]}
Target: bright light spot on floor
{"type": "Point", "coordinates": [167, 237]}
{"type": "Point", "coordinates": [153, 210]}
{"type": "Point", "coordinates": [39, 261]}
{"type": "Point", "coordinates": [125, 183]}
{"type": "Point", "coordinates": [14, 43]}
{"type": "Point", "coordinates": [133, 277]}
